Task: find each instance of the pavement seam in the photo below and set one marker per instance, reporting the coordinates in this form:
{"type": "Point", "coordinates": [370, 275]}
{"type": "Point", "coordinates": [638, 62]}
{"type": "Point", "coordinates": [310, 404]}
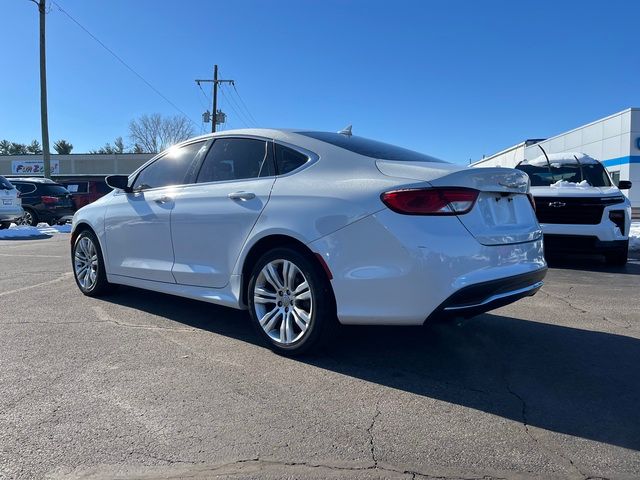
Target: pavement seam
{"type": "Point", "coordinates": [63, 276]}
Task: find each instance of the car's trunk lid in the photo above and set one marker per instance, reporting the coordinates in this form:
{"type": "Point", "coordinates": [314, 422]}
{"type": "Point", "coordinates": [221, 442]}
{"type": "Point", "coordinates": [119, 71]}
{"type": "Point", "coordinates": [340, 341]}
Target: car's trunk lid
{"type": "Point", "coordinates": [502, 214]}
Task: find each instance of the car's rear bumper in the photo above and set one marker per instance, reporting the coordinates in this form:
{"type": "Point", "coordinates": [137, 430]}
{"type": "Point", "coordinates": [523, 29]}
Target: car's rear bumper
{"type": "Point", "coordinates": [482, 297]}
{"type": "Point", "coordinates": [391, 269]}
{"type": "Point", "coordinates": [11, 215]}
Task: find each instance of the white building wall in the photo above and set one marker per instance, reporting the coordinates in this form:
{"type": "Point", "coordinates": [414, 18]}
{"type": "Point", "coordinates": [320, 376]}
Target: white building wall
{"type": "Point", "coordinates": [613, 140]}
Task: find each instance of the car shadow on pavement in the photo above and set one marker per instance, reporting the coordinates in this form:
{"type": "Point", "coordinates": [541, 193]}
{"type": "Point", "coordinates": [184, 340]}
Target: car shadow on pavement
{"type": "Point", "coordinates": [577, 382]}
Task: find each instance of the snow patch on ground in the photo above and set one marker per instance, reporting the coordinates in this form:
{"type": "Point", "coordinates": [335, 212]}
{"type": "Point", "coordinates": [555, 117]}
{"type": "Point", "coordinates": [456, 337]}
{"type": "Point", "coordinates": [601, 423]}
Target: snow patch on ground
{"type": "Point", "coordinates": [565, 184]}
{"type": "Point", "coordinates": [634, 236]}
{"type": "Point", "coordinates": [43, 230]}
{"type": "Point", "coordinates": [22, 231]}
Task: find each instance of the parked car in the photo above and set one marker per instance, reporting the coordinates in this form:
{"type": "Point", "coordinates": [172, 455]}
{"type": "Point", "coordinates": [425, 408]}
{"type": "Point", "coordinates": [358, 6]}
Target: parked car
{"type": "Point", "coordinates": [85, 190]}
{"type": "Point", "coordinates": [44, 200]}
{"type": "Point", "coordinates": [303, 227]}
{"type": "Point", "coordinates": [10, 204]}
{"type": "Point", "coordinates": [579, 208]}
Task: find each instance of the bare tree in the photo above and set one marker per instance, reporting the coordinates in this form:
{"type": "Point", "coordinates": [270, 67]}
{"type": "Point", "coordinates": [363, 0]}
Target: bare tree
{"type": "Point", "coordinates": [154, 133]}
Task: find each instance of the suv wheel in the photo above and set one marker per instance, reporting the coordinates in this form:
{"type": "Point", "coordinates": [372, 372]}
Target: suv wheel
{"type": "Point", "coordinates": [88, 266]}
{"type": "Point", "coordinates": [29, 218]}
{"type": "Point", "coordinates": [290, 302]}
{"type": "Point", "coordinates": [619, 257]}
{"type": "Point", "coordinates": [4, 225]}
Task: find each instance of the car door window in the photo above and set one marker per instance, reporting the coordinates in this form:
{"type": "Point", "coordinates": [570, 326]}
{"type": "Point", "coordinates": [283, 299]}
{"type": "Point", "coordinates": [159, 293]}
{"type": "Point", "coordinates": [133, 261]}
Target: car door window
{"type": "Point", "coordinates": [236, 158]}
{"type": "Point", "coordinates": [25, 188]}
{"type": "Point", "coordinates": [176, 167]}
{"type": "Point", "coordinates": [288, 159]}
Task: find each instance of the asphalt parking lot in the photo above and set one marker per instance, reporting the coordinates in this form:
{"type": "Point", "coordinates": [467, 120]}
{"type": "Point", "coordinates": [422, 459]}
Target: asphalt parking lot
{"type": "Point", "coordinates": [142, 385]}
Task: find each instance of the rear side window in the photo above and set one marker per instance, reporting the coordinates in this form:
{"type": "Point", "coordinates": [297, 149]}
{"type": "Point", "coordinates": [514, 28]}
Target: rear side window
{"type": "Point", "coordinates": [288, 159]}
{"type": "Point", "coordinates": [5, 184]}
{"type": "Point", "coordinates": [52, 189]}
{"type": "Point", "coordinates": [102, 187]}
{"type": "Point", "coordinates": [371, 148]}
{"type": "Point", "coordinates": [78, 187]}
{"type": "Point", "coordinates": [176, 167]}
{"type": "Point", "coordinates": [235, 159]}
{"type": "Point", "coordinates": [25, 188]}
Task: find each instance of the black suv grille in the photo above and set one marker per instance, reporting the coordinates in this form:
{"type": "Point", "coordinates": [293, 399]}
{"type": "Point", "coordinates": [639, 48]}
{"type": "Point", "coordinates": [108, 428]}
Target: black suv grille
{"type": "Point", "coordinates": [573, 210]}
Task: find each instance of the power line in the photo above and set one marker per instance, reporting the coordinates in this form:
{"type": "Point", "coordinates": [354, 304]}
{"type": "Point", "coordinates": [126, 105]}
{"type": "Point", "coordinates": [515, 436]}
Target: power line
{"type": "Point", "coordinates": [249, 115]}
{"type": "Point", "coordinates": [244, 104]}
{"type": "Point", "coordinates": [131, 69]}
{"type": "Point", "coordinates": [240, 117]}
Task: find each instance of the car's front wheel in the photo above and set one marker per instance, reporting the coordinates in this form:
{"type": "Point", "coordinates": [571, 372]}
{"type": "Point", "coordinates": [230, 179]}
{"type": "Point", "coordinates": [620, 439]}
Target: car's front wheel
{"type": "Point", "coordinates": [290, 302]}
{"type": "Point", "coordinates": [88, 266]}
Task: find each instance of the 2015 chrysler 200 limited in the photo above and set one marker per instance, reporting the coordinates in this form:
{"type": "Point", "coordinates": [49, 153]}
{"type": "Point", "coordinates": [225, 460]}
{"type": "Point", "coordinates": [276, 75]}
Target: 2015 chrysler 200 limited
{"type": "Point", "coordinates": [304, 227]}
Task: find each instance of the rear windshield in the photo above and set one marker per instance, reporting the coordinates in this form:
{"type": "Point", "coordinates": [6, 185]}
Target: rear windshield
{"type": "Point", "coordinates": [544, 175]}
{"type": "Point", "coordinates": [5, 184]}
{"type": "Point", "coordinates": [370, 148]}
{"type": "Point", "coordinates": [52, 189]}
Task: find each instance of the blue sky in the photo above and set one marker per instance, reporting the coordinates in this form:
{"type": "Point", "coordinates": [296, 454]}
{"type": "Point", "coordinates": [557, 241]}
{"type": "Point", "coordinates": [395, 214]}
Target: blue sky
{"type": "Point", "coordinates": [454, 79]}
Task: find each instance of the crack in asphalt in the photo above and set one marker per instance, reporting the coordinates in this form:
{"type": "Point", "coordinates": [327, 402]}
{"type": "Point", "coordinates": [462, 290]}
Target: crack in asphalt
{"type": "Point", "coordinates": [258, 464]}
{"type": "Point", "coordinates": [525, 423]}
{"type": "Point", "coordinates": [566, 301]}
{"type": "Point", "coordinates": [372, 445]}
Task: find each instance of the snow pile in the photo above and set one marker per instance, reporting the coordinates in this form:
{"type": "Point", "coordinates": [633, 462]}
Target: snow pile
{"type": "Point", "coordinates": [566, 184]}
{"type": "Point", "coordinates": [43, 230]}
{"type": "Point", "coordinates": [559, 159]}
{"type": "Point", "coordinates": [634, 236]}
{"type": "Point", "coordinates": [22, 232]}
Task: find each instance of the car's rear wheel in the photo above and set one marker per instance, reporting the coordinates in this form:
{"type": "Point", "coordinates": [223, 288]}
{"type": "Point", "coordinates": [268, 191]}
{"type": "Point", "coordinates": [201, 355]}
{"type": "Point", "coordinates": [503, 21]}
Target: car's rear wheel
{"type": "Point", "coordinates": [290, 302]}
{"type": "Point", "coordinates": [29, 218]}
{"type": "Point", "coordinates": [88, 266]}
{"type": "Point", "coordinates": [619, 257]}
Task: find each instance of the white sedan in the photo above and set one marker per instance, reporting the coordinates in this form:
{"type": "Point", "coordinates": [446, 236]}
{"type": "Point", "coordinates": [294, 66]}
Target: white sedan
{"type": "Point", "coordinates": [304, 228]}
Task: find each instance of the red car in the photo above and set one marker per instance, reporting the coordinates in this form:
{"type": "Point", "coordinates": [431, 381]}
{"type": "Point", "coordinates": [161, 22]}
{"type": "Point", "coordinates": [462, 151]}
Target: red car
{"type": "Point", "coordinates": [85, 190]}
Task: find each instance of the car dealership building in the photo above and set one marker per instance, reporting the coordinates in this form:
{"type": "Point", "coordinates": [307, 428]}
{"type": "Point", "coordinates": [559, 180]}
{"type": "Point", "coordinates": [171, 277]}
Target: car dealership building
{"type": "Point", "coordinates": [73, 164]}
{"type": "Point", "coordinates": [614, 140]}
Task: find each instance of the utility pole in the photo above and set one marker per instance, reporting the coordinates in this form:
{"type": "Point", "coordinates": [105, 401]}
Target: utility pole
{"type": "Point", "coordinates": [44, 119]}
{"type": "Point", "coordinates": [215, 81]}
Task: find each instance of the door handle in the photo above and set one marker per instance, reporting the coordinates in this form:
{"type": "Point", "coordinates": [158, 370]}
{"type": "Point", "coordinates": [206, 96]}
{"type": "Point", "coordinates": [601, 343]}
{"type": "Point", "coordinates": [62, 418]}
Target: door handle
{"type": "Point", "coordinates": [164, 199]}
{"type": "Point", "coordinates": [241, 195]}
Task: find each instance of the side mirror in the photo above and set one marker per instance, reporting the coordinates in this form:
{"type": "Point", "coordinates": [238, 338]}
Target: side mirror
{"type": "Point", "coordinates": [624, 184]}
{"type": "Point", "coordinates": [120, 182]}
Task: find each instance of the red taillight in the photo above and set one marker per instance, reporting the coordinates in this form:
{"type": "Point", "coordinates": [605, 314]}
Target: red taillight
{"type": "Point", "coordinates": [431, 201]}
{"type": "Point", "coordinates": [49, 200]}
{"type": "Point", "coordinates": [532, 201]}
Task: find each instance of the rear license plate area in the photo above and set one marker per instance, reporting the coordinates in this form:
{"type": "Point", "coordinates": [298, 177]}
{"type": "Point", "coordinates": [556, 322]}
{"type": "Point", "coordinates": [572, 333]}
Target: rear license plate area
{"type": "Point", "coordinates": [7, 201]}
{"type": "Point", "coordinates": [502, 209]}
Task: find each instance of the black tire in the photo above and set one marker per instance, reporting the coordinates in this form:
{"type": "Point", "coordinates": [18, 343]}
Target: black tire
{"type": "Point", "coordinates": [322, 318]}
{"type": "Point", "coordinates": [30, 218]}
{"type": "Point", "coordinates": [4, 225]}
{"type": "Point", "coordinates": [618, 258]}
{"type": "Point", "coordinates": [100, 286]}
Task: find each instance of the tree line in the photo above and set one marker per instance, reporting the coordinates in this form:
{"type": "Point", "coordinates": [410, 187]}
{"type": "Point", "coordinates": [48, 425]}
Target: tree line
{"type": "Point", "coordinates": [147, 134]}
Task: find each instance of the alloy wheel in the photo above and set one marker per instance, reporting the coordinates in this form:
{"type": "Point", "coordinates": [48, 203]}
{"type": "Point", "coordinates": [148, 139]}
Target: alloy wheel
{"type": "Point", "coordinates": [86, 263]}
{"type": "Point", "coordinates": [26, 219]}
{"type": "Point", "coordinates": [283, 301]}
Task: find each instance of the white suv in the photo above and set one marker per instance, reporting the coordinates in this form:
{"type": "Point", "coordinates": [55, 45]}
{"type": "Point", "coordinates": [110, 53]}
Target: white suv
{"type": "Point", "coordinates": [10, 203]}
{"type": "Point", "coordinates": [579, 208]}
